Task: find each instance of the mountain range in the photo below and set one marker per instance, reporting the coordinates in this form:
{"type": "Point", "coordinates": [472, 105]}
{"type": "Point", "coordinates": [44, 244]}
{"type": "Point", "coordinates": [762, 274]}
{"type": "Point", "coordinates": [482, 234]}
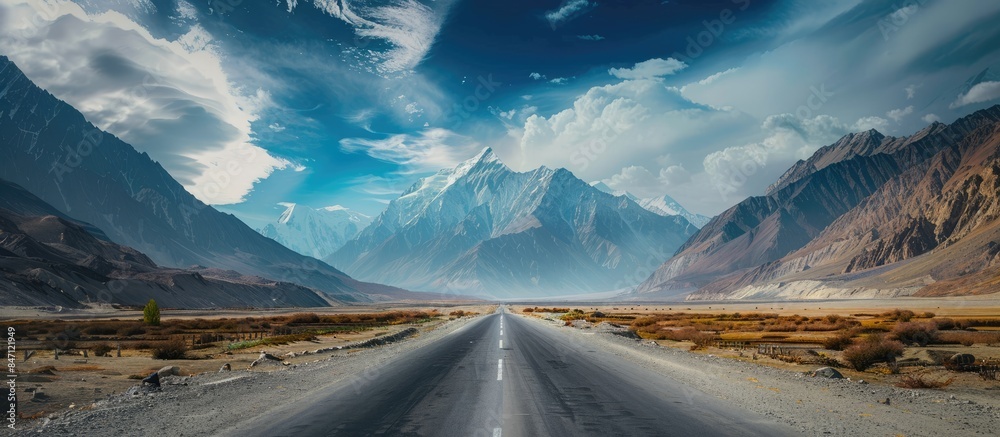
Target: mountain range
{"type": "Point", "coordinates": [47, 258]}
{"type": "Point", "coordinates": [868, 216]}
{"type": "Point", "coordinates": [482, 228]}
{"type": "Point", "coordinates": [315, 232]}
{"type": "Point", "coordinates": [663, 205]}
{"type": "Point", "coordinates": [53, 152]}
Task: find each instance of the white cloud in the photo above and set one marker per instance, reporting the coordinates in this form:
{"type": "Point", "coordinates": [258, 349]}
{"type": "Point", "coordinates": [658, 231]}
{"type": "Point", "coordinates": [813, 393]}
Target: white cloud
{"type": "Point", "coordinates": [650, 69]}
{"type": "Point", "coordinates": [171, 99]}
{"type": "Point", "coordinates": [620, 125]}
{"type": "Point", "coordinates": [642, 183]}
{"type": "Point", "coordinates": [559, 80]}
{"type": "Point", "coordinates": [930, 118]}
{"type": "Point", "coordinates": [429, 150]}
{"type": "Point", "coordinates": [899, 114]}
{"type": "Point", "coordinates": [568, 10]}
{"type": "Point", "coordinates": [537, 76]}
{"type": "Point", "coordinates": [742, 170]}
{"type": "Point", "coordinates": [409, 27]}
{"type": "Point", "coordinates": [872, 122]}
{"type": "Point", "coordinates": [981, 92]}
{"type": "Point", "coordinates": [590, 37]}
{"type": "Point", "coordinates": [911, 90]}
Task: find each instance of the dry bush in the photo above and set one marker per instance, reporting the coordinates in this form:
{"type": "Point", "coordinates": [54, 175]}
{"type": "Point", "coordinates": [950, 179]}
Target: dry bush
{"type": "Point", "coordinates": [899, 315]}
{"type": "Point", "coordinates": [170, 350]}
{"type": "Point", "coordinates": [458, 313]}
{"type": "Point", "coordinates": [920, 380]}
{"type": "Point", "coordinates": [969, 338]}
{"type": "Point", "coordinates": [101, 349]}
{"type": "Point", "coordinates": [528, 310]}
{"type": "Point", "coordinates": [302, 318]}
{"type": "Point", "coordinates": [131, 330]}
{"type": "Point", "coordinates": [921, 333]}
{"type": "Point", "coordinates": [839, 342]}
{"type": "Point", "coordinates": [944, 324]}
{"type": "Point", "coordinates": [928, 315]}
{"type": "Point", "coordinates": [872, 349]}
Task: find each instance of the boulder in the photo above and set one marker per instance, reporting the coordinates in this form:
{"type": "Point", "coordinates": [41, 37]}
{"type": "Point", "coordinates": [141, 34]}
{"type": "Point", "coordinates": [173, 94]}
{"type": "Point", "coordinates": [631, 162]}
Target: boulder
{"type": "Point", "coordinates": [962, 360]}
{"type": "Point", "coordinates": [828, 372]}
{"type": "Point", "coordinates": [169, 371]}
{"type": "Point", "coordinates": [267, 359]}
{"type": "Point", "coordinates": [153, 379]}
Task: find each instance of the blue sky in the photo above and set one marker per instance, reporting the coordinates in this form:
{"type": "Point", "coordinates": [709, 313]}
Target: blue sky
{"type": "Point", "coordinates": [323, 102]}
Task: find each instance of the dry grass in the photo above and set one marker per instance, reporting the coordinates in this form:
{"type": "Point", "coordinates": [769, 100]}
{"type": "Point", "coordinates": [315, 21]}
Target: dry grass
{"type": "Point", "coordinates": [969, 338]}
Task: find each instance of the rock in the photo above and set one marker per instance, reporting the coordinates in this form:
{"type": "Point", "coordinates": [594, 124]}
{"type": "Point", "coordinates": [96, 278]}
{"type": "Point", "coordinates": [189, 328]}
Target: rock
{"type": "Point", "coordinates": [828, 372]}
{"type": "Point", "coordinates": [169, 371]}
{"type": "Point", "coordinates": [153, 379]}
{"type": "Point", "coordinates": [962, 360]}
{"type": "Point", "coordinates": [267, 359]}
{"type": "Point", "coordinates": [225, 368]}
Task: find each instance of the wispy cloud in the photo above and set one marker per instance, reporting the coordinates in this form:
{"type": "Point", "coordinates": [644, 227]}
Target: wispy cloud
{"type": "Point", "coordinates": [428, 150]}
{"type": "Point", "coordinates": [590, 37]}
{"type": "Point", "coordinates": [650, 69]}
{"type": "Point", "coordinates": [569, 10]}
{"type": "Point", "coordinates": [407, 27]}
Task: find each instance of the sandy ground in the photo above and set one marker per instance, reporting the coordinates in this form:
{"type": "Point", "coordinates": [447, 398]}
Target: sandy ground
{"type": "Point", "coordinates": [209, 402]}
{"type": "Point", "coordinates": [968, 306]}
{"type": "Point", "coordinates": [76, 382]}
{"type": "Point", "coordinates": [814, 405]}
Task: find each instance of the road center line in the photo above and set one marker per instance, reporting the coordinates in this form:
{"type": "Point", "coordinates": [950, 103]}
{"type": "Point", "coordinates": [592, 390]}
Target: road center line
{"type": "Point", "coordinates": [500, 370]}
{"type": "Point", "coordinates": [496, 432]}
{"type": "Point", "coordinates": [501, 344]}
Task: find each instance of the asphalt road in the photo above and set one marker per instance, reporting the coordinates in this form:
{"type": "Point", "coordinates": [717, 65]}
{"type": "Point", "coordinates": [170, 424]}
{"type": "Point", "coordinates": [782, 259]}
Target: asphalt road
{"type": "Point", "coordinates": [503, 375]}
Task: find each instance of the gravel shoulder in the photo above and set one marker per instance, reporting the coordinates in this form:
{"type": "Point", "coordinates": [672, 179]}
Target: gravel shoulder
{"type": "Point", "coordinates": [813, 405]}
{"type": "Point", "coordinates": [209, 403]}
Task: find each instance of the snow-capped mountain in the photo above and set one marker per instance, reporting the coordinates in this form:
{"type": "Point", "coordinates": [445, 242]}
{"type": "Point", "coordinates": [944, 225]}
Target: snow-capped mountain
{"type": "Point", "coordinates": [482, 228]}
{"type": "Point", "coordinates": [663, 205]}
{"type": "Point", "coordinates": [315, 232]}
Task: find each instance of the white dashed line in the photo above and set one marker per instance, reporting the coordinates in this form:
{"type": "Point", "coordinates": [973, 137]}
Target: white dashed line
{"type": "Point", "coordinates": [496, 432]}
{"type": "Point", "coordinates": [501, 344]}
{"type": "Point", "coordinates": [500, 370]}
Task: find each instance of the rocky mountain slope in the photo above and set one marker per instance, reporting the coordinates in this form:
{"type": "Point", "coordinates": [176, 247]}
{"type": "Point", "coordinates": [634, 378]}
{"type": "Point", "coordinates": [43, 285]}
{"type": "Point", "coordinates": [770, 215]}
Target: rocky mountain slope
{"type": "Point", "coordinates": [47, 258]}
{"type": "Point", "coordinates": [315, 232]}
{"type": "Point", "coordinates": [482, 228]}
{"type": "Point", "coordinates": [53, 152]}
{"type": "Point", "coordinates": [867, 216]}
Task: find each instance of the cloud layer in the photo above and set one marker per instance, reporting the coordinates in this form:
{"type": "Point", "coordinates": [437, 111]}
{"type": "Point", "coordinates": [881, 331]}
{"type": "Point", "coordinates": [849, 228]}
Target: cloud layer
{"type": "Point", "coordinates": [171, 99]}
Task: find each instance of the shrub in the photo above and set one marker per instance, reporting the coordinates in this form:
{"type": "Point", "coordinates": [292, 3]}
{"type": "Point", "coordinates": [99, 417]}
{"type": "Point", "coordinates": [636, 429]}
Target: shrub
{"type": "Point", "coordinates": [101, 349]}
{"type": "Point", "coordinates": [528, 310]}
{"type": "Point", "coordinates": [130, 331]}
{"type": "Point", "coordinates": [839, 341]}
{"type": "Point", "coordinates": [928, 315]}
{"type": "Point", "coordinates": [458, 313]}
{"type": "Point", "coordinates": [170, 350]}
{"type": "Point", "coordinates": [899, 315]}
{"type": "Point", "coordinates": [100, 329]}
{"type": "Point", "coordinates": [944, 324]}
{"type": "Point", "coordinates": [303, 318]}
{"type": "Point", "coordinates": [151, 313]}
{"type": "Point", "coordinates": [871, 350]}
{"type": "Point", "coordinates": [969, 338]}
{"type": "Point", "coordinates": [920, 333]}
{"type": "Point", "coordinates": [920, 380]}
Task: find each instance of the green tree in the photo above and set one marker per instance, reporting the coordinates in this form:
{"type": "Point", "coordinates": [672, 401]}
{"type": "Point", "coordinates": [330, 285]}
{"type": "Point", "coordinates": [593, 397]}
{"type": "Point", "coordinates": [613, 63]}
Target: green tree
{"type": "Point", "coordinates": [151, 313]}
